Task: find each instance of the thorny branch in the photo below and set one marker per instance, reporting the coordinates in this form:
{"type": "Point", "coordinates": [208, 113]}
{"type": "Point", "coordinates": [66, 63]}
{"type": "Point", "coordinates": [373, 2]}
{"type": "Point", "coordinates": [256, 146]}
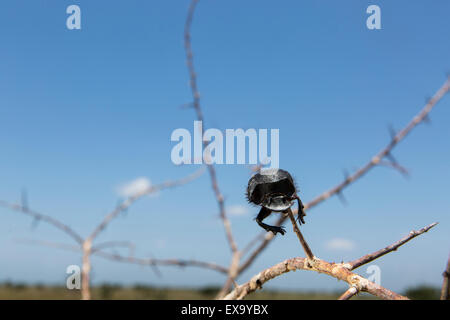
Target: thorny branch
{"type": "Point", "coordinates": [114, 244]}
{"type": "Point", "coordinates": [42, 217]}
{"type": "Point", "coordinates": [130, 200]}
{"type": "Point", "coordinates": [162, 262]}
{"type": "Point", "coordinates": [86, 245]}
{"type": "Point", "coordinates": [379, 159]}
{"type": "Point", "coordinates": [341, 271]}
{"type": "Point", "coordinates": [99, 251]}
{"type": "Point", "coordinates": [385, 152]}
{"type": "Point", "coordinates": [375, 255]}
{"type": "Point", "coordinates": [337, 271]}
{"type": "Point", "coordinates": [374, 161]}
{"type": "Point", "coordinates": [212, 171]}
{"type": "Point", "coordinates": [198, 110]}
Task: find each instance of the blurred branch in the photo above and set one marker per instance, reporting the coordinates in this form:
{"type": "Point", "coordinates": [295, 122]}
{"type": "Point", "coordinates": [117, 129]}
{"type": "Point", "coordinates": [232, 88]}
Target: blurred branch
{"type": "Point", "coordinates": [386, 151]}
{"type": "Point", "coordinates": [347, 295]}
{"type": "Point", "coordinates": [130, 200]}
{"type": "Point", "coordinates": [396, 166]}
{"type": "Point", "coordinates": [86, 245]}
{"type": "Point", "coordinates": [255, 240]}
{"type": "Point", "coordinates": [161, 262]}
{"type": "Point", "coordinates": [445, 294]}
{"type": "Point", "coordinates": [212, 171]}
{"type": "Point", "coordinates": [99, 251]}
{"type": "Point", "coordinates": [42, 217]}
{"type": "Point", "coordinates": [114, 244]}
{"type": "Point", "coordinates": [267, 238]}
{"type": "Point", "coordinates": [232, 274]}
{"type": "Point", "coordinates": [51, 244]}
{"type": "Point", "coordinates": [198, 110]}
{"type": "Point", "coordinates": [423, 115]}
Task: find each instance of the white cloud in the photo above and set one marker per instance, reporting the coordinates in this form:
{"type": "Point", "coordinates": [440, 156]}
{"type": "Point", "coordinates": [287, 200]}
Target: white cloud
{"type": "Point", "coordinates": [340, 244]}
{"type": "Point", "coordinates": [133, 187]}
{"type": "Point", "coordinates": [237, 210]}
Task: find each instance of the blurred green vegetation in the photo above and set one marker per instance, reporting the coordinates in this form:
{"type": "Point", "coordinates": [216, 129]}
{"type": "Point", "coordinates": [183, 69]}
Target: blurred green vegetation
{"type": "Point", "coordinates": [107, 291]}
{"type": "Point", "coordinates": [423, 292]}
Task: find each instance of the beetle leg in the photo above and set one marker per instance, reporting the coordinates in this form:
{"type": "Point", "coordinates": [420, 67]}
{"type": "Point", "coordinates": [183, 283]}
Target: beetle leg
{"type": "Point", "coordinates": [301, 212]}
{"type": "Point", "coordinates": [264, 213]}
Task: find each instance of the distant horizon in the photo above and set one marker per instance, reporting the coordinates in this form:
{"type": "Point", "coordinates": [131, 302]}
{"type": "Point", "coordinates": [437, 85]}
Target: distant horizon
{"type": "Point", "coordinates": [212, 286]}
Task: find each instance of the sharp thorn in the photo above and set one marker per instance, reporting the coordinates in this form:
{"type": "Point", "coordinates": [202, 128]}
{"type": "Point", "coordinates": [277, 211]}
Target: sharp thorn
{"type": "Point", "coordinates": [392, 132]}
{"type": "Point", "coordinates": [342, 198]}
{"type": "Point", "coordinates": [24, 200]}
{"type": "Point", "coordinates": [346, 174]}
{"type": "Point", "coordinates": [391, 158]}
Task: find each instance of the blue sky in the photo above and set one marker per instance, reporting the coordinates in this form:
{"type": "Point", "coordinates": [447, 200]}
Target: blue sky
{"type": "Point", "coordinates": [83, 112]}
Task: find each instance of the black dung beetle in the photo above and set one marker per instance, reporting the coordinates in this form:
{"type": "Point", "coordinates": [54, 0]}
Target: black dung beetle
{"type": "Point", "coordinates": [274, 190]}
